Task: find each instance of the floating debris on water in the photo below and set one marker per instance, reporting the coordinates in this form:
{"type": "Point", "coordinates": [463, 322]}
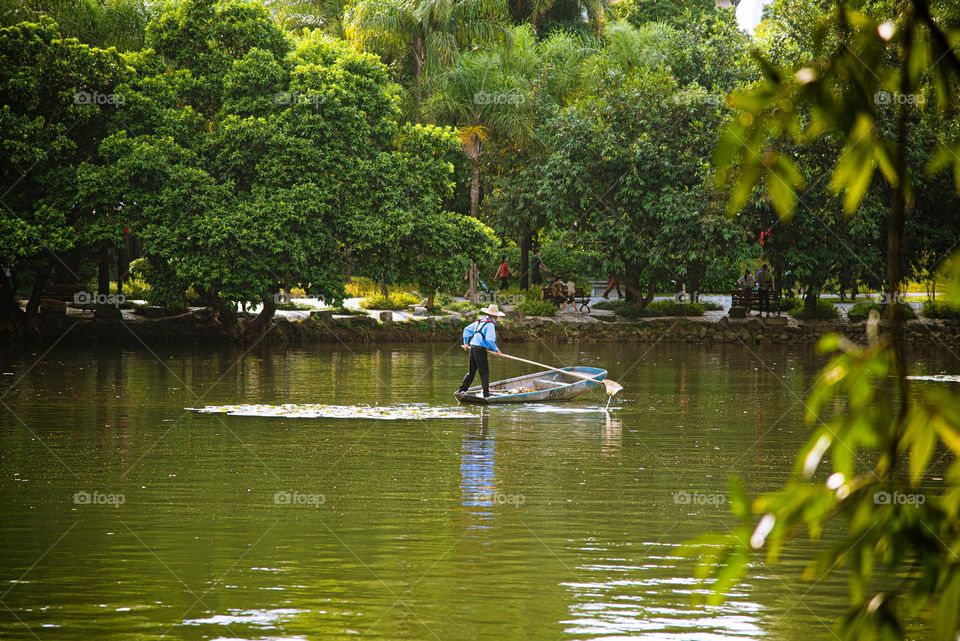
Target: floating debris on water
{"type": "Point", "coordinates": [411, 412]}
{"type": "Point", "coordinates": [937, 378]}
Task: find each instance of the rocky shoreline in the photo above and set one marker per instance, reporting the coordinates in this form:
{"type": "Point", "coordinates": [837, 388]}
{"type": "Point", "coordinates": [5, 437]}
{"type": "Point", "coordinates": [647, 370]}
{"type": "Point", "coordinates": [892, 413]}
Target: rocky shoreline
{"type": "Point", "coordinates": [196, 326]}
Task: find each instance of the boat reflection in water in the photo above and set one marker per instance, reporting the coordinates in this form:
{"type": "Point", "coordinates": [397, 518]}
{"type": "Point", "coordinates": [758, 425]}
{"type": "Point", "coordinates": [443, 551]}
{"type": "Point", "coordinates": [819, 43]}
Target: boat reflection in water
{"type": "Point", "coordinates": [477, 480]}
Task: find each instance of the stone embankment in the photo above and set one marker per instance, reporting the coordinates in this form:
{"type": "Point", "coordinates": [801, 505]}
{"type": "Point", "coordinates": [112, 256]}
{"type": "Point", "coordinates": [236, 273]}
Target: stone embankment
{"type": "Point", "coordinates": [323, 326]}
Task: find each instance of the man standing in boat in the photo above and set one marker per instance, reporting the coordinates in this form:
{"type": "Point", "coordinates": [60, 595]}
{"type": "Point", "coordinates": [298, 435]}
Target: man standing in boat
{"type": "Point", "coordinates": [478, 338]}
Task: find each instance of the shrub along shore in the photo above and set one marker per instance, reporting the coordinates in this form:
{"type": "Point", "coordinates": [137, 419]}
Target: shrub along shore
{"type": "Point", "coordinates": [197, 326]}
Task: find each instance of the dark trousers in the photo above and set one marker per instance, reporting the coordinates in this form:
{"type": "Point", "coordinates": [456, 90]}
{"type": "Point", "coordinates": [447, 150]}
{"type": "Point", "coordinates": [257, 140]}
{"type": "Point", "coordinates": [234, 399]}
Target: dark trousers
{"type": "Point", "coordinates": [478, 361]}
{"type": "Point", "coordinates": [764, 296]}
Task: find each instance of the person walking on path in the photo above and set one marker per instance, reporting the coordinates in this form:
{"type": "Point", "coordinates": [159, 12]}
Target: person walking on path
{"type": "Point", "coordinates": [613, 283]}
{"type": "Point", "coordinates": [503, 273]}
{"type": "Point", "coordinates": [764, 284]}
{"type": "Point", "coordinates": [480, 337]}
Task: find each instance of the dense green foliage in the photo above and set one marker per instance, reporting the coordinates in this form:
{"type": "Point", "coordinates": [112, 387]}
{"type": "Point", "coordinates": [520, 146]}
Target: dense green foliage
{"type": "Point", "coordinates": [398, 301]}
{"type": "Point", "coordinates": [862, 308]}
{"type": "Point", "coordinates": [463, 307]}
{"type": "Point", "coordinates": [245, 160]}
{"type": "Point", "coordinates": [582, 128]}
{"type": "Point", "coordinates": [852, 84]}
{"type": "Point", "coordinates": [98, 23]}
{"type": "Point", "coordinates": [58, 97]}
{"type": "Point", "coordinates": [940, 309]}
{"type": "Point", "coordinates": [655, 309]}
{"type": "Point", "coordinates": [531, 306]}
{"type": "Point", "coordinates": [253, 148]}
{"type": "Point", "coordinates": [621, 150]}
{"type": "Point", "coordinates": [424, 37]}
{"type": "Point", "coordinates": [821, 310]}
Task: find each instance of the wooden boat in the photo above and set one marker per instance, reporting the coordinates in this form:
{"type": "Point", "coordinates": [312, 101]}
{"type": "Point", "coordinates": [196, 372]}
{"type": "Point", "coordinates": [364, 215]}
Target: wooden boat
{"type": "Point", "coordinates": [541, 386]}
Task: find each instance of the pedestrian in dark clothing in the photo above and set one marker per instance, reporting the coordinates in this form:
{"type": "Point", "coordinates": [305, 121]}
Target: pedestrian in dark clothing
{"type": "Point", "coordinates": [536, 277]}
{"type": "Point", "coordinates": [478, 338]}
{"type": "Point", "coordinates": [613, 283]}
{"type": "Point", "coordinates": [764, 284]}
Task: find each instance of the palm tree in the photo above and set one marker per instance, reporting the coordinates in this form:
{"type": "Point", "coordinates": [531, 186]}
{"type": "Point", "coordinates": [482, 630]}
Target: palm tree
{"type": "Point", "coordinates": [483, 100]}
{"type": "Point", "coordinates": [425, 36]}
{"type": "Point", "coordinates": [325, 15]}
{"type": "Point", "coordinates": [562, 57]}
{"type": "Point", "coordinates": [593, 12]}
{"type": "Point", "coordinates": [625, 48]}
{"type": "Point", "coordinates": [100, 23]}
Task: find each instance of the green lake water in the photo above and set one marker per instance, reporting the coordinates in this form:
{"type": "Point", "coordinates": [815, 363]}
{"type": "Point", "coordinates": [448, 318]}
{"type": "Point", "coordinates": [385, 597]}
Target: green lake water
{"type": "Point", "coordinates": [125, 517]}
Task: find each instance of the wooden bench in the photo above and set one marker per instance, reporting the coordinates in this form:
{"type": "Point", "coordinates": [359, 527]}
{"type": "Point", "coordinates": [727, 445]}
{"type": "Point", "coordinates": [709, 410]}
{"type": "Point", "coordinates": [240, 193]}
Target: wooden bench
{"type": "Point", "coordinates": [61, 291]}
{"type": "Point", "coordinates": [742, 298]}
{"type": "Point", "coordinates": [581, 300]}
{"type": "Point", "coordinates": [749, 299]}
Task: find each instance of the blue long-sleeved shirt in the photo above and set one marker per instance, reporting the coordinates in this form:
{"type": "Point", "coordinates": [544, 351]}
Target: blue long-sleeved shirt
{"type": "Point", "coordinates": [483, 333]}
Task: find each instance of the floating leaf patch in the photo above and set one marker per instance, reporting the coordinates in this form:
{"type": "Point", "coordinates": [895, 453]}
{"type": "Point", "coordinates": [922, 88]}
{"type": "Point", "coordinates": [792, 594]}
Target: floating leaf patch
{"type": "Point", "coordinates": [382, 413]}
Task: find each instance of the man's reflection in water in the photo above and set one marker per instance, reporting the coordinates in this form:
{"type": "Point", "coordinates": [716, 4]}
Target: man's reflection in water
{"type": "Point", "coordinates": [476, 470]}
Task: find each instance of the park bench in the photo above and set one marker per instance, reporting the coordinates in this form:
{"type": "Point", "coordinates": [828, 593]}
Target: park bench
{"type": "Point", "coordinates": [61, 291]}
{"type": "Point", "coordinates": [749, 299]}
{"type": "Point", "coordinates": [581, 300]}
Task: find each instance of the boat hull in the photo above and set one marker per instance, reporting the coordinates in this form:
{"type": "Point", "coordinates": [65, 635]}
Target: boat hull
{"type": "Point", "coordinates": [537, 387]}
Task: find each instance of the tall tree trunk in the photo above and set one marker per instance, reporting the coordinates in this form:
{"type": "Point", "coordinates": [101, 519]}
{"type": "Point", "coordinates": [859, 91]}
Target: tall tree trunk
{"type": "Point", "coordinates": [636, 295]}
{"type": "Point", "coordinates": [598, 21]}
{"type": "Point", "coordinates": [810, 299]}
{"type": "Point", "coordinates": [475, 179]}
{"type": "Point", "coordinates": [474, 278]}
{"type": "Point", "coordinates": [33, 304]}
{"type": "Point", "coordinates": [224, 316]}
{"type": "Point", "coordinates": [473, 152]}
{"type": "Point", "coordinates": [261, 324]}
{"type": "Point", "coordinates": [898, 214]}
{"type": "Point", "coordinates": [629, 282]}
{"type": "Point", "coordinates": [12, 318]}
{"type": "Point", "coordinates": [103, 272]}
{"type": "Point", "coordinates": [347, 263]}
{"type": "Point", "coordinates": [695, 274]}
{"type": "Point", "coordinates": [10, 311]}
{"type": "Point", "coordinates": [651, 292]}
{"type": "Point", "coordinates": [526, 239]}
{"type": "Point", "coordinates": [123, 265]}
{"type": "Point", "coordinates": [419, 59]}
